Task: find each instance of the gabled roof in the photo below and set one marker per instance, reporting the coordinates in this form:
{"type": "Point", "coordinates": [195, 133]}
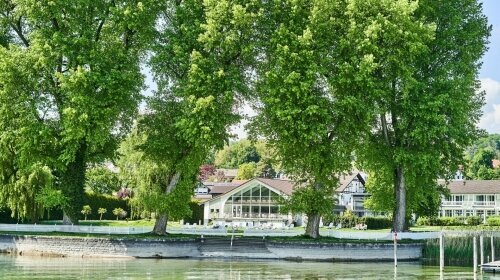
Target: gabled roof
{"type": "Point", "coordinates": [284, 186]}
{"type": "Point", "coordinates": [345, 180]}
{"type": "Point", "coordinates": [473, 186]}
{"type": "Point", "coordinates": [223, 187]}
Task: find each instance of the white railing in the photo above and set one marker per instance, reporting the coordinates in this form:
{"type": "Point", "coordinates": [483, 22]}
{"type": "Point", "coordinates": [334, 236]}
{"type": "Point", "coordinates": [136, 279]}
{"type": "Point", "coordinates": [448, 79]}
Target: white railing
{"type": "Point", "coordinates": [453, 203]}
{"type": "Point", "coordinates": [272, 232]}
{"type": "Point", "coordinates": [222, 231]}
{"type": "Point", "coordinates": [484, 203]}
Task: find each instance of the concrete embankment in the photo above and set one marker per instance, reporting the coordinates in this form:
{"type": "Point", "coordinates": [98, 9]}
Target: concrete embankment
{"type": "Point", "coordinates": [203, 248]}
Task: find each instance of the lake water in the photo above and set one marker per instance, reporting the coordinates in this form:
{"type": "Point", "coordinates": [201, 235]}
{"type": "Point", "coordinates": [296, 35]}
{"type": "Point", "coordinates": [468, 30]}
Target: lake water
{"type": "Point", "coordinates": [23, 267]}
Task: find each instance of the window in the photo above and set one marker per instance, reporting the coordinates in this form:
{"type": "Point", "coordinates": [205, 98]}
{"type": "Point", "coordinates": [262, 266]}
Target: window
{"type": "Point", "coordinates": [490, 212]}
{"type": "Point", "coordinates": [448, 213]}
{"type": "Point", "coordinates": [459, 198]}
{"type": "Point", "coordinates": [469, 213]}
{"type": "Point", "coordinates": [459, 213]}
{"type": "Point", "coordinates": [480, 213]}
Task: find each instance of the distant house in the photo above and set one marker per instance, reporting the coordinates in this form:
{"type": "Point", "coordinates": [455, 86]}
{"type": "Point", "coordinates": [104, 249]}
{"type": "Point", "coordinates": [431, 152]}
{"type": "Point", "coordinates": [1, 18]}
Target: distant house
{"type": "Point", "coordinates": [253, 203]}
{"type": "Point", "coordinates": [209, 190]}
{"type": "Point", "coordinates": [351, 194]}
{"type": "Point", "coordinates": [471, 198]}
{"type": "Point", "coordinates": [226, 175]}
{"type": "Point", "coordinates": [256, 202]}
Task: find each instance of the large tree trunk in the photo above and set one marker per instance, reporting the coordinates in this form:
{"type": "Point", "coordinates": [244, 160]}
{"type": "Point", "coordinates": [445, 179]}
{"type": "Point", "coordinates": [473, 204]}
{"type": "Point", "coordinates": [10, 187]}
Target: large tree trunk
{"type": "Point", "coordinates": [400, 192]}
{"type": "Point", "coordinates": [312, 228]}
{"type": "Point", "coordinates": [160, 227]}
{"type": "Point", "coordinates": [72, 186]}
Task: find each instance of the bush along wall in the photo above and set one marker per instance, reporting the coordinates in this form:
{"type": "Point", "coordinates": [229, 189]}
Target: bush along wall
{"type": "Point", "coordinates": [449, 221]}
{"type": "Point", "coordinates": [493, 221]}
{"type": "Point", "coordinates": [349, 221]}
{"type": "Point", "coordinates": [378, 222]}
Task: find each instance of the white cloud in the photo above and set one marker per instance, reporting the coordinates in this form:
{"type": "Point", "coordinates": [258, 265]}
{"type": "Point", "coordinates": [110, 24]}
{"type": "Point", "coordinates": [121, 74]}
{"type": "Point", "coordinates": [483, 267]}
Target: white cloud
{"type": "Point", "coordinates": [490, 121]}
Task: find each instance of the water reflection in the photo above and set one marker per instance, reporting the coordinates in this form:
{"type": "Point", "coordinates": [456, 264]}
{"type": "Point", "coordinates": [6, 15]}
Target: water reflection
{"type": "Point", "coordinates": [76, 268]}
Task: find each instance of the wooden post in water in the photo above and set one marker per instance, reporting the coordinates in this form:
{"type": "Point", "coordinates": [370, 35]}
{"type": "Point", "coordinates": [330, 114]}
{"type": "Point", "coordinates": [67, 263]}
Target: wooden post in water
{"type": "Point", "coordinates": [441, 252]}
{"type": "Point", "coordinates": [474, 252]}
{"type": "Point", "coordinates": [481, 248]}
{"type": "Point", "coordinates": [395, 249]}
{"type": "Point", "coordinates": [492, 249]}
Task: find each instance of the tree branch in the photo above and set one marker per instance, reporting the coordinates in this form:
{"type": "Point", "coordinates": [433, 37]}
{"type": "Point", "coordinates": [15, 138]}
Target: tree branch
{"type": "Point", "coordinates": [101, 24]}
{"type": "Point", "coordinates": [19, 31]}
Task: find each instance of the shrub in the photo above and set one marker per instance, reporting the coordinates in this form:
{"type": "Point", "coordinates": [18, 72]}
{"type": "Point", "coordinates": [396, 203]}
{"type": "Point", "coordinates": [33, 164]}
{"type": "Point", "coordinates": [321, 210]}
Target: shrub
{"type": "Point", "coordinates": [449, 221]}
{"type": "Point", "coordinates": [377, 222]}
{"type": "Point", "coordinates": [474, 220]}
{"type": "Point", "coordinates": [423, 221]}
{"type": "Point", "coordinates": [119, 213]}
{"type": "Point", "coordinates": [493, 220]}
{"type": "Point", "coordinates": [101, 212]}
{"type": "Point", "coordinates": [86, 210]}
{"type": "Point", "coordinates": [428, 221]}
{"type": "Point", "coordinates": [348, 220]}
{"type": "Point", "coordinates": [96, 201]}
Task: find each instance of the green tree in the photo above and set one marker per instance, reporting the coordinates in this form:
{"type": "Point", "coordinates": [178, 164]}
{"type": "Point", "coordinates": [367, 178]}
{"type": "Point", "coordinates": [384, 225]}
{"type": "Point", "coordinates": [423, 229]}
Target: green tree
{"type": "Point", "coordinates": [119, 213]}
{"type": "Point", "coordinates": [101, 180]}
{"type": "Point", "coordinates": [425, 61]}
{"type": "Point", "coordinates": [199, 63]}
{"type": "Point", "coordinates": [246, 171]}
{"type": "Point", "coordinates": [306, 120]}
{"type": "Point", "coordinates": [491, 141]}
{"type": "Point", "coordinates": [237, 153]}
{"type": "Point", "coordinates": [69, 84]}
{"type": "Point", "coordinates": [481, 165]}
{"type": "Point", "coordinates": [101, 211]}
{"type": "Point", "coordinates": [86, 211]}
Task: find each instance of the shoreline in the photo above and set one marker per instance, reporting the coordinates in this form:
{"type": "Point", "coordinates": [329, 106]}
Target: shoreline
{"type": "Point", "coordinates": [208, 247]}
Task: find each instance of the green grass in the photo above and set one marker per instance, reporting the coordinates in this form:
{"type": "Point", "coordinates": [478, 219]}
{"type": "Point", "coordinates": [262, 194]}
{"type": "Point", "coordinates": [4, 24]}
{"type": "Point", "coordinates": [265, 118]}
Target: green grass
{"type": "Point", "coordinates": [103, 235]}
{"type": "Point", "coordinates": [325, 239]}
{"type": "Point", "coordinates": [113, 223]}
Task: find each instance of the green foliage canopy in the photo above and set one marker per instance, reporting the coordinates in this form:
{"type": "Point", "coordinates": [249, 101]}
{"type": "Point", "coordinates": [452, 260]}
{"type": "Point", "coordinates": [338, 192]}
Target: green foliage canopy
{"type": "Point", "coordinates": [69, 84]}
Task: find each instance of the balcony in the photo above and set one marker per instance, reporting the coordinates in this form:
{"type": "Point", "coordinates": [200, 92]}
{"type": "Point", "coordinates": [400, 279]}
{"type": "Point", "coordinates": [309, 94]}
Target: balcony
{"type": "Point", "coordinates": [452, 203]}
{"type": "Point", "coordinates": [484, 203]}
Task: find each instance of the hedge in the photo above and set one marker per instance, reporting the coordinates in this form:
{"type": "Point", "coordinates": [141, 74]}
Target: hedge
{"type": "Point", "coordinates": [449, 221]}
{"type": "Point", "coordinates": [96, 201]}
{"type": "Point", "coordinates": [196, 213]}
{"type": "Point", "coordinates": [378, 222]}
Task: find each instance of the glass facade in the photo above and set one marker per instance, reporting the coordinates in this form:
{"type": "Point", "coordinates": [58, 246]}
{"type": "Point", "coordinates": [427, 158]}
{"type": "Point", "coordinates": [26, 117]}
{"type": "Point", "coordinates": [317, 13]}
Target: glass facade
{"type": "Point", "coordinates": [255, 201]}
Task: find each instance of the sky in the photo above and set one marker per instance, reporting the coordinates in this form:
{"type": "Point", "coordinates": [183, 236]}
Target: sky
{"type": "Point", "coordinates": [490, 71]}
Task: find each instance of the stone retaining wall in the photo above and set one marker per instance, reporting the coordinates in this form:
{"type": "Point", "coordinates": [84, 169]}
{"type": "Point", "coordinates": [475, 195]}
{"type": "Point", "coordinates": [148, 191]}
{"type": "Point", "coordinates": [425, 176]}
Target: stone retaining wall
{"type": "Point", "coordinates": [143, 248]}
